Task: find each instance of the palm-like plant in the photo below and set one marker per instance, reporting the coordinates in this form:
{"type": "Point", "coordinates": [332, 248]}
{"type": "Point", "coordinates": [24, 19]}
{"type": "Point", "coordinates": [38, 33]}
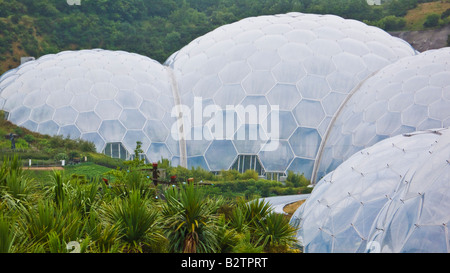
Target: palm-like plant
{"type": "Point", "coordinates": [135, 220]}
{"type": "Point", "coordinates": [274, 231]}
{"type": "Point", "coordinates": [190, 222]}
{"type": "Point", "coordinates": [7, 236]}
{"type": "Point", "coordinates": [36, 223]}
{"type": "Point", "coordinates": [13, 183]}
{"type": "Point", "coordinates": [255, 211]}
{"type": "Point", "coordinates": [261, 226]}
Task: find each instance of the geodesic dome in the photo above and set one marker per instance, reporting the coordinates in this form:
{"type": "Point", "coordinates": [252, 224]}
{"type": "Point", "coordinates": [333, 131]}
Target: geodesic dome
{"type": "Point", "coordinates": [413, 94]}
{"type": "Point", "coordinates": [294, 68]}
{"type": "Point", "coordinates": [256, 94]}
{"type": "Point", "coordinates": [391, 197]}
{"type": "Point", "coordinates": [112, 98]}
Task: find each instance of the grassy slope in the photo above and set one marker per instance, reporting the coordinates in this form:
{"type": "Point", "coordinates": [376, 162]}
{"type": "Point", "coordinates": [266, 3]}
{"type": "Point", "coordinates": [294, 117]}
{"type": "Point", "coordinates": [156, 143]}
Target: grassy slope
{"type": "Point", "coordinates": [416, 17]}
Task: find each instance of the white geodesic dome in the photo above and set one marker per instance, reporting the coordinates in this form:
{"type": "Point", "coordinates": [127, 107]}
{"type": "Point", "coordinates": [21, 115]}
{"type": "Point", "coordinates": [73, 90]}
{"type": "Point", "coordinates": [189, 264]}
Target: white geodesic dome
{"type": "Point", "coordinates": [293, 69]}
{"type": "Point", "coordinates": [107, 97]}
{"type": "Point", "coordinates": [391, 197]}
{"type": "Point", "coordinates": [409, 95]}
{"type": "Point", "coordinates": [304, 64]}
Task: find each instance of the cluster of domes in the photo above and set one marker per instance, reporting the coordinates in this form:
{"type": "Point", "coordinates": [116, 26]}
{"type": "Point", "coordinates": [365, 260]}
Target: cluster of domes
{"type": "Point", "coordinates": [334, 99]}
{"type": "Point", "coordinates": [288, 73]}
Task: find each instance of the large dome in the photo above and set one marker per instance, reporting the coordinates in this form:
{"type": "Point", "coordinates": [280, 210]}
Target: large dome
{"type": "Point", "coordinates": [410, 95]}
{"type": "Point", "coordinates": [292, 70]}
{"type": "Point", "coordinates": [112, 98]}
{"type": "Point", "coordinates": [391, 197]}
{"type": "Point", "coordinates": [256, 94]}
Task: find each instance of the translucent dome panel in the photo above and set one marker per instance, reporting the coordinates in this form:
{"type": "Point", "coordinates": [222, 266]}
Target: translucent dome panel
{"type": "Point", "coordinates": [300, 67]}
{"type": "Point", "coordinates": [353, 208]}
{"type": "Point", "coordinates": [99, 95]}
{"type": "Point", "coordinates": [411, 94]}
{"type": "Point", "coordinates": [416, 218]}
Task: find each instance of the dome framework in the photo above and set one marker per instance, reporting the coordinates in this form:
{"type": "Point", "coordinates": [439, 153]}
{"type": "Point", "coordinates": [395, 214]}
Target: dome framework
{"type": "Point", "coordinates": [269, 87]}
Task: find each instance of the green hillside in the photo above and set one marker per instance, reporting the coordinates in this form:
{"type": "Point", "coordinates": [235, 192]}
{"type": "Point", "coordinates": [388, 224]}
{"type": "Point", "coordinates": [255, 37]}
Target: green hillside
{"type": "Point", "coordinates": [48, 150]}
{"type": "Point", "coordinates": [154, 28]}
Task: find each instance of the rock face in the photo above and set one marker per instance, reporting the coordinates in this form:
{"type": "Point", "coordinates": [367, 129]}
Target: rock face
{"type": "Point", "coordinates": [425, 39]}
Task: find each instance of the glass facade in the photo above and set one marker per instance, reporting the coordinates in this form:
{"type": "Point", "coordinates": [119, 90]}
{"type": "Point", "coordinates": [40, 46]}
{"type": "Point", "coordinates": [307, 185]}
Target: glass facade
{"type": "Point", "coordinates": [248, 162]}
{"type": "Point", "coordinates": [116, 150]}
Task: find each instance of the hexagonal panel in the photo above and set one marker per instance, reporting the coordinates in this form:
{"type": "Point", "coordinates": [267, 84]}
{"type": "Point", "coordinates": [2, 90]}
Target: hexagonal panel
{"type": "Point", "coordinates": [234, 72]}
{"type": "Point", "coordinates": [264, 60]}
{"type": "Point", "coordinates": [132, 119]}
{"type": "Point", "coordinates": [198, 140]}
{"type": "Point", "coordinates": [197, 161]}
{"type": "Point", "coordinates": [289, 72]}
{"type": "Point", "coordinates": [414, 115]}
{"type": "Point", "coordinates": [42, 113]}
{"type": "Point", "coordinates": [20, 115]}
{"type": "Point", "coordinates": [65, 116]}
{"type": "Point", "coordinates": [59, 99]}
{"type": "Point", "coordinates": [35, 98]}
{"type": "Point", "coordinates": [156, 130]}
{"type": "Point", "coordinates": [88, 122]}
{"type": "Point", "coordinates": [133, 136]}
{"type": "Point", "coordinates": [302, 166]}
{"type": "Point", "coordinates": [108, 109]}
{"type": "Point", "coordinates": [349, 63]}
{"type": "Point", "coordinates": [84, 103]}
{"type": "Point", "coordinates": [440, 109]}
{"type": "Point", "coordinates": [112, 130]}
{"type": "Point", "coordinates": [220, 155]}
{"type": "Point", "coordinates": [48, 128]}
{"type": "Point", "coordinates": [229, 95]}
{"type": "Point", "coordinates": [96, 139]}
{"type": "Point", "coordinates": [309, 113]}
{"type": "Point", "coordinates": [259, 83]}
{"type": "Point", "coordinates": [70, 131]}
{"type": "Point", "coordinates": [314, 87]}
{"type": "Point", "coordinates": [276, 155]}
{"type": "Point", "coordinates": [249, 139]}
{"type": "Point", "coordinates": [128, 99]}
{"type": "Point", "coordinates": [158, 151]}
{"type": "Point", "coordinates": [279, 124]}
{"type": "Point", "coordinates": [286, 96]}
{"type": "Point", "coordinates": [428, 95]}
{"type": "Point", "coordinates": [305, 142]}
{"type": "Point", "coordinates": [104, 90]}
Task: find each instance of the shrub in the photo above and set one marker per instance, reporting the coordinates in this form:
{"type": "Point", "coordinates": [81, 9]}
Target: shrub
{"type": "Point", "coordinates": [432, 20]}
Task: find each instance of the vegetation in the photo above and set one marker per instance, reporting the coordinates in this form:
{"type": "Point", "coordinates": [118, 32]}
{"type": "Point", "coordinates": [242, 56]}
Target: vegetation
{"type": "Point", "coordinates": [130, 215]}
{"type": "Point", "coordinates": [49, 150]}
{"type": "Point", "coordinates": [158, 28]}
{"type": "Point", "coordinates": [53, 211]}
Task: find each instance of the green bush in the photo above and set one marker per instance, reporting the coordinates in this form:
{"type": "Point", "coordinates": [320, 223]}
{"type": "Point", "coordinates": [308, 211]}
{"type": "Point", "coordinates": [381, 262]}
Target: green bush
{"type": "Point", "coordinates": [432, 20]}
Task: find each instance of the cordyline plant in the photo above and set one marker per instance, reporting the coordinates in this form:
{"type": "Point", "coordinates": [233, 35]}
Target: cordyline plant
{"type": "Point", "coordinates": [190, 221]}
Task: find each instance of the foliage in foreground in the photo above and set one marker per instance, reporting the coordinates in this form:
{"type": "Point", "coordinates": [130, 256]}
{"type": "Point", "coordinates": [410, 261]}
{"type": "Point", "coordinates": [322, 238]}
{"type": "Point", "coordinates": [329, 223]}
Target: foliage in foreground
{"type": "Point", "coordinates": [130, 215]}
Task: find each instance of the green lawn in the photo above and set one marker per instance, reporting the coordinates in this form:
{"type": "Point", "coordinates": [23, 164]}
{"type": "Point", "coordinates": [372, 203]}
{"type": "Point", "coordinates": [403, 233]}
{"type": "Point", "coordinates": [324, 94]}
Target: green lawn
{"type": "Point", "coordinates": [89, 170]}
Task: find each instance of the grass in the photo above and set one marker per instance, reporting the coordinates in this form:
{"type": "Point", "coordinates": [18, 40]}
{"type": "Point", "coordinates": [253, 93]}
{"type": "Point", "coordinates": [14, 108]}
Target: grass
{"type": "Point", "coordinates": [291, 208]}
{"type": "Point", "coordinates": [86, 171]}
{"type": "Point", "coordinates": [415, 18]}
